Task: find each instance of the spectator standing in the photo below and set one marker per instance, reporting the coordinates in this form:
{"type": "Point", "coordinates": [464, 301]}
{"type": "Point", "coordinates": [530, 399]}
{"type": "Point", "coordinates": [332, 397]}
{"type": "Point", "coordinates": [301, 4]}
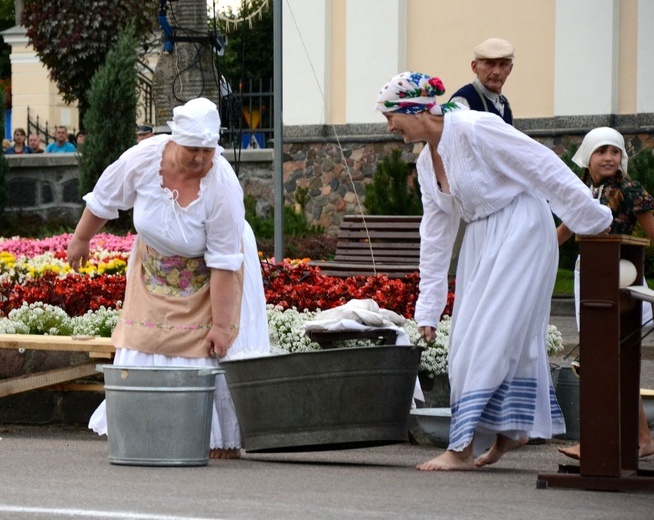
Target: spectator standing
{"type": "Point", "coordinates": [80, 138]}
{"type": "Point", "coordinates": [35, 143]}
{"type": "Point", "coordinates": [61, 143]}
{"type": "Point", "coordinates": [492, 65]}
{"type": "Point", "coordinates": [19, 146]}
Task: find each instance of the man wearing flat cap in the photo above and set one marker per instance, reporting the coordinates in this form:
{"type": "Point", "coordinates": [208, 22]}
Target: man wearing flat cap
{"type": "Point", "coordinates": [492, 65]}
{"type": "Point", "coordinates": [143, 132]}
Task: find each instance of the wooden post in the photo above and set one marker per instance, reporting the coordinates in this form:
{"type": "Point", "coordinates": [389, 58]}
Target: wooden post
{"type": "Point", "coordinates": [609, 354]}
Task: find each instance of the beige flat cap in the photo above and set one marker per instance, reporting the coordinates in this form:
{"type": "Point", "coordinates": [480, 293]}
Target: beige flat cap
{"type": "Point", "coordinates": [494, 48]}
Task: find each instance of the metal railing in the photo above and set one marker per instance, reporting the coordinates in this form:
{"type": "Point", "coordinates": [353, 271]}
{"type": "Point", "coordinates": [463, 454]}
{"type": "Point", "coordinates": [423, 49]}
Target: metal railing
{"type": "Point", "coordinates": [35, 127]}
{"type": "Point", "coordinates": [247, 115]}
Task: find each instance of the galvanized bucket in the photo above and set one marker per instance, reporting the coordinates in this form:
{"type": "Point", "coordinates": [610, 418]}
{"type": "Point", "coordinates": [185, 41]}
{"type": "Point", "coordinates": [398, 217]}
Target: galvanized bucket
{"type": "Point", "coordinates": [326, 399]}
{"type": "Point", "coordinates": [567, 394]}
{"type": "Point", "coordinates": [159, 416]}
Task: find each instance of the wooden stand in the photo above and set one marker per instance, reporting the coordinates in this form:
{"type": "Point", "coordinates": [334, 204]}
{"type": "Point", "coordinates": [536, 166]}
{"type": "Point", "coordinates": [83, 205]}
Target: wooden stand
{"type": "Point", "coordinates": [610, 323]}
{"type": "Point", "coordinates": [59, 378]}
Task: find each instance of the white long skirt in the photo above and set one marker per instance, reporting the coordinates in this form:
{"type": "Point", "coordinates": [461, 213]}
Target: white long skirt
{"type": "Point", "coordinates": [253, 339]}
{"type": "Point", "coordinates": [498, 365]}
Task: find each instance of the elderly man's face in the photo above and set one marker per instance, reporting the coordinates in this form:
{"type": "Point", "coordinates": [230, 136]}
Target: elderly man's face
{"type": "Point", "coordinates": [493, 73]}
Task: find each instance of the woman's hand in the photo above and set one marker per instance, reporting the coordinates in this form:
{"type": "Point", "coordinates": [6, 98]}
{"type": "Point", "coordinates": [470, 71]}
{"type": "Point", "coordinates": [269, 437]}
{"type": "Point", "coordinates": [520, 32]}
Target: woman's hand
{"type": "Point", "coordinates": [217, 341]}
{"type": "Point", "coordinates": [427, 333]}
{"type": "Point", "coordinates": [78, 253]}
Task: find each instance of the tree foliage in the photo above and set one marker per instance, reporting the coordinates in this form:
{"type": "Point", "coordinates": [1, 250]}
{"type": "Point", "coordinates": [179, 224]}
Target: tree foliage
{"type": "Point", "coordinates": [72, 38]}
{"type": "Point", "coordinates": [109, 121]}
{"type": "Point", "coordinates": [390, 192]}
{"type": "Point", "coordinates": [249, 50]}
{"type": "Point", "coordinates": [7, 20]}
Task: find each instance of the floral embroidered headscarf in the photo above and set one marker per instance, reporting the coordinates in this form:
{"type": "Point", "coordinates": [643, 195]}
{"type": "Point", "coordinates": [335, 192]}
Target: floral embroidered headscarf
{"type": "Point", "coordinates": [411, 93]}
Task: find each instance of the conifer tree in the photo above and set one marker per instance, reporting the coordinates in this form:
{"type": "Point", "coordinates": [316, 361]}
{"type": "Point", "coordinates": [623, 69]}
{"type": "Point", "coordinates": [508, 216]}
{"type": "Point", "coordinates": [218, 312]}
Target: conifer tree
{"type": "Point", "coordinates": [111, 116]}
{"type": "Point", "coordinates": [389, 193]}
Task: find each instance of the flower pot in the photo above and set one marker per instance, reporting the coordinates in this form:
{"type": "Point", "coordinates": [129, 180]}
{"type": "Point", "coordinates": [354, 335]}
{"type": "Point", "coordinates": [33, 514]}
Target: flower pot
{"type": "Point", "coordinates": [436, 390]}
{"type": "Point", "coordinates": [567, 394]}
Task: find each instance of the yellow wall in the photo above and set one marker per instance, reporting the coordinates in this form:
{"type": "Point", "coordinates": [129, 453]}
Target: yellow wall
{"type": "Point", "coordinates": [441, 44]}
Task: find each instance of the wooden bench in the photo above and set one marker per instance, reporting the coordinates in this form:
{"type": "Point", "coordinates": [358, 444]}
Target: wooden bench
{"type": "Point", "coordinates": [59, 378]}
{"type": "Point", "coordinates": [392, 241]}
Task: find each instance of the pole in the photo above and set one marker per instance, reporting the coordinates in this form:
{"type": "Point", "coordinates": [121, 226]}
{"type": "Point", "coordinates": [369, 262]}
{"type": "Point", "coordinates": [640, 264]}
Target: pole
{"type": "Point", "coordinates": [278, 178]}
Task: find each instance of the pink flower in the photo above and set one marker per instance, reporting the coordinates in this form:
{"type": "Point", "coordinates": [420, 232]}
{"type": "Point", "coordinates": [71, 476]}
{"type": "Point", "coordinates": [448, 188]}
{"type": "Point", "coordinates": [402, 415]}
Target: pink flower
{"type": "Point", "coordinates": [438, 85]}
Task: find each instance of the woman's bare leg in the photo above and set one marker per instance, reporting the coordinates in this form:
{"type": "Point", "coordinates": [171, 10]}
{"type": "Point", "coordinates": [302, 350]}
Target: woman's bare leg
{"type": "Point", "coordinates": [645, 441]}
{"type": "Point", "coordinates": [502, 445]}
{"type": "Point", "coordinates": [450, 461]}
{"type": "Point", "coordinates": [217, 453]}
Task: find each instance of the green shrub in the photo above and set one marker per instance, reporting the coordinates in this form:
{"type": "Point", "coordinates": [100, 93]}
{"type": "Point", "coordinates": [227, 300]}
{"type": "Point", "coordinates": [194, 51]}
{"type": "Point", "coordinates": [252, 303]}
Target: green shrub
{"type": "Point", "coordinates": [390, 192]}
{"type": "Point", "coordinates": [295, 222]}
{"type": "Point", "coordinates": [110, 118]}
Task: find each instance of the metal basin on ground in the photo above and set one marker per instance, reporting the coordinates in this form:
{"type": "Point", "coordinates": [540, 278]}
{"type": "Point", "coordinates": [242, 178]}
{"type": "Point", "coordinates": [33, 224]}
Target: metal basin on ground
{"type": "Point", "coordinates": [326, 399]}
{"type": "Point", "coordinates": [159, 416]}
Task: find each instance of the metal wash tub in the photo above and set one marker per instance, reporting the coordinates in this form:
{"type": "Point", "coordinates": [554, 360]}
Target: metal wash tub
{"type": "Point", "coordinates": [325, 399]}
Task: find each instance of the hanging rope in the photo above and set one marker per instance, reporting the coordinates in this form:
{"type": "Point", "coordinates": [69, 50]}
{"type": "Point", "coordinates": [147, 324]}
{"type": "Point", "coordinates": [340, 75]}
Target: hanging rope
{"type": "Point", "coordinates": [338, 141]}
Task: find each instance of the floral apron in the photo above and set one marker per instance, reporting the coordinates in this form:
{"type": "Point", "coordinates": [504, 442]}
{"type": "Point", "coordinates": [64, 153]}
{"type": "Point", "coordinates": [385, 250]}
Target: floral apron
{"type": "Point", "coordinates": [167, 307]}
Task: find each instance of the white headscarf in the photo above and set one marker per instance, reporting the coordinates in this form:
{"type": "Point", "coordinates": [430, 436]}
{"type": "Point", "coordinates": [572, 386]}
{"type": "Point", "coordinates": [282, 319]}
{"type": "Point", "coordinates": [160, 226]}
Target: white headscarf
{"type": "Point", "coordinates": [596, 138]}
{"type": "Point", "coordinates": [196, 124]}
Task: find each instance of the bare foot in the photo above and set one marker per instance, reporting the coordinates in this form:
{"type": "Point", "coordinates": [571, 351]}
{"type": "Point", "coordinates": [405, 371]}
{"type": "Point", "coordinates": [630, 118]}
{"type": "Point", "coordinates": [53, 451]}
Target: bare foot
{"type": "Point", "coordinates": [574, 452]}
{"type": "Point", "coordinates": [217, 453]}
{"type": "Point", "coordinates": [502, 445]}
{"type": "Point", "coordinates": [450, 461]}
{"type": "Point", "coordinates": [646, 449]}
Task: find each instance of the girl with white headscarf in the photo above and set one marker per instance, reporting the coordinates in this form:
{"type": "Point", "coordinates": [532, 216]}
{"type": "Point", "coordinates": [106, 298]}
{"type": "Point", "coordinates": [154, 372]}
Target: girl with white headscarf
{"type": "Point", "coordinates": [603, 157]}
{"type": "Point", "coordinates": [477, 168]}
{"type": "Point", "coordinates": [194, 288]}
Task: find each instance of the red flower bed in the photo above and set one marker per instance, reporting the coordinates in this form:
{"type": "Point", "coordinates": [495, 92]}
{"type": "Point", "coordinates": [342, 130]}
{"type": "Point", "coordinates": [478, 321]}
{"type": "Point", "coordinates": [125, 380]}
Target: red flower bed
{"type": "Point", "coordinates": [299, 286]}
{"type": "Point", "coordinates": [75, 293]}
{"type": "Point", "coordinates": [303, 287]}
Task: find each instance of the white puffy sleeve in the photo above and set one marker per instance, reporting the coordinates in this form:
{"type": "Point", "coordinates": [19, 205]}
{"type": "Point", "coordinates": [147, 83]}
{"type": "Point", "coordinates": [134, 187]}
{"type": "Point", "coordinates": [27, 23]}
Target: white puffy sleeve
{"type": "Point", "coordinates": [438, 230]}
{"type": "Point", "coordinates": [116, 187]}
{"type": "Point", "coordinates": [225, 218]}
{"type": "Point", "coordinates": [534, 166]}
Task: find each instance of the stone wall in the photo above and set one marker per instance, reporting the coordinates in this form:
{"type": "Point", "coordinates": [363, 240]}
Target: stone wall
{"type": "Point", "coordinates": [334, 163]}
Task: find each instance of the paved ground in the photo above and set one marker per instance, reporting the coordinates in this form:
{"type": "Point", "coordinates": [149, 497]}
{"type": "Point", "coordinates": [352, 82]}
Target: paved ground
{"type": "Point", "coordinates": [58, 473]}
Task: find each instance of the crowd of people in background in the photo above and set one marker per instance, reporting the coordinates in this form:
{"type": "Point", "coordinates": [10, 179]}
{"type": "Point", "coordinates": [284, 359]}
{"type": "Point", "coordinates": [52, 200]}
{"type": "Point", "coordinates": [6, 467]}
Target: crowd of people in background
{"type": "Point", "coordinates": [64, 142]}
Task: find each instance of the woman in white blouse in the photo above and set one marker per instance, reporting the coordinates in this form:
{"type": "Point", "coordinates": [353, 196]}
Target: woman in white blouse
{"type": "Point", "coordinates": [477, 168]}
{"type": "Point", "coordinates": [194, 261]}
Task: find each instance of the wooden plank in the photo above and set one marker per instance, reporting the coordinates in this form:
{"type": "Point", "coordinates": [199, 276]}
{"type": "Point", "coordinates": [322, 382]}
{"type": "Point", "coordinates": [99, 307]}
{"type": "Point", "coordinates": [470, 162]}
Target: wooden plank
{"type": "Point", "coordinates": [29, 382]}
{"type": "Point", "coordinates": [379, 259]}
{"type": "Point", "coordinates": [78, 387]}
{"type": "Point", "coordinates": [67, 343]}
{"type": "Point", "coordinates": [372, 219]}
{"type": "Point", "coordinates": [413, 247]}
{"type": "Point", "coordinates": [381, 226]}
